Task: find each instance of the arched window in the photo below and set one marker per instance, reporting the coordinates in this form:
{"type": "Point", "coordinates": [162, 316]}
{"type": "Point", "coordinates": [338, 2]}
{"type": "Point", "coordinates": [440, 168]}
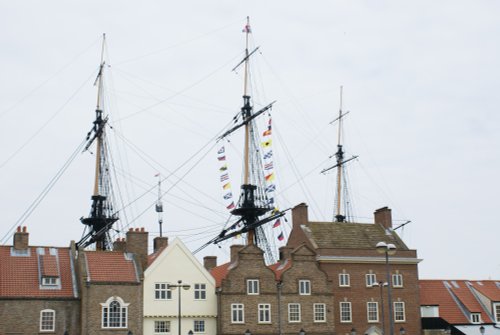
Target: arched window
{"type": "Point", "coordinates": [114, 313]}
{"type": "Point", "coordinates": [47, 320]}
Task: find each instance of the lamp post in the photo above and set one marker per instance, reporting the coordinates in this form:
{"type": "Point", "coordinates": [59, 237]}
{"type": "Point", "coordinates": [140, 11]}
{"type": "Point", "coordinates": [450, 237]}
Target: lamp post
{"type": "Point", "coordinates": [302, 332]}
{"type": "Point", "coordinates": [173, 287]}
{"type": "Point", "coordinates": [482, 330]}
{"type": "Point", "coordinates": [381, 284]}
{"type": "Point", "coordinates": [388, 249]}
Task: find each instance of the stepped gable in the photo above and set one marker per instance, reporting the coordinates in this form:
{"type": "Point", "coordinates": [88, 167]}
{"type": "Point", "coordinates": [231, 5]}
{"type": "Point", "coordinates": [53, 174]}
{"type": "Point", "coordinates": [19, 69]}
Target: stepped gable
{"type": "Point", "coordinates": [111, 267]}
{"type": "Point", "coordinates": [21, 272]}
{"type": "Point", "coordinates": [449, 295]}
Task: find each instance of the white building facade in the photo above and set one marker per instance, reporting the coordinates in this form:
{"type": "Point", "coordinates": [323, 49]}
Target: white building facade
{"type": "Point", "coordinates": [173, 266]}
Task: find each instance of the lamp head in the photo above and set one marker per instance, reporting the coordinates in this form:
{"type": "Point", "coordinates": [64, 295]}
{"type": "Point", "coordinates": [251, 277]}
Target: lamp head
{"type": "Point", "coordinates": [481, 329]}
{"type": "Point", "coordinates": [381, 247]}
{"type": "Point", "coordinates": [186, 287]}
{"type": "Point", "coordinates": [302, 332]}
{"type": "Point", "coordinates": [402, 331]}
{"type": "Point", "coordinates": [391, 249]}
{"type": "Point", "coordinates": [247, 332]}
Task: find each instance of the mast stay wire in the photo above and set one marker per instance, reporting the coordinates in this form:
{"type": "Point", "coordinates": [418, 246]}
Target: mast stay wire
{"type": "Point", "coordinates": [31, 208]}
{"type": "Point", "coordinates": [43, 83]}
{"type": "Point", "coordinates": [188, 87]}
{"type": "Point", "coordinates": [46, 123]}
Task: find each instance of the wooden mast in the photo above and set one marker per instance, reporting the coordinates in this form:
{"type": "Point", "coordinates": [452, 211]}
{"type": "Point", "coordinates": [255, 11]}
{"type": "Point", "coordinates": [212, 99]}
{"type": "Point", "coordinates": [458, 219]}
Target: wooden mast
{"type": "Point", "coordinates": [340, 157]}
{"type": "Point", "coordinates": [98, 109]}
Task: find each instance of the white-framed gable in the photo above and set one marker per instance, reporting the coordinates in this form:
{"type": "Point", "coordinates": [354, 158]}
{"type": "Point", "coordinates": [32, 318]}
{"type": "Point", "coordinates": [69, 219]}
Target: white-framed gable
{"type": "Point", "coordinates": [199, 302]}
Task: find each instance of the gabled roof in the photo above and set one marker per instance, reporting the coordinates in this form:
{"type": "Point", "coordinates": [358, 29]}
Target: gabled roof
{"type": "Point", "coordinates": [220, 272]}
{"type": "Point", "coordinates": [21, 272]}
{"type": "Point", "coordinates": [347, 235]}
{"type": "Point", "coordinates": [110, 267]}
{"type": "Point", "coordinates": [489, 288]}
{"type": "Point", "coordinates": [454, 298]}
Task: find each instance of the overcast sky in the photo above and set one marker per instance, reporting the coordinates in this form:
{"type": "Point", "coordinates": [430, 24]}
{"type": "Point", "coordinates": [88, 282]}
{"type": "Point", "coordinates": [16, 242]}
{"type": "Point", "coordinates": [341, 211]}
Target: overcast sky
{"type": "Point", "coordinates": [420, 78]}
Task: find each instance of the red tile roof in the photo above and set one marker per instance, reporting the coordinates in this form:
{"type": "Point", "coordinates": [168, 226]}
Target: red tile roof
{"type": "Point", "coordinates": [20, 277]}
{"type": "Point", "coordinates": [448, 294]}
{"type": "Point", "coordinates": [48, 266]}
{"type": "Point", "coordinates": [220, 272]}
{"type": "Point", "coordinates": [488, 288]}
{"type": "Point", "coordinates": [110, 267]}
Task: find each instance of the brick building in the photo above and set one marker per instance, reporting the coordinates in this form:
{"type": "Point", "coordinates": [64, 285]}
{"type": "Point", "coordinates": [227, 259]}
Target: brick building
{"type": "Point", "coordinates": [347, 253]}
{"type": "Point", "coordinates": [460, 307]}
{"type": "Point", "coordinates": [58, 290]}
{"type": "Point", "coordinates": [292, 295]}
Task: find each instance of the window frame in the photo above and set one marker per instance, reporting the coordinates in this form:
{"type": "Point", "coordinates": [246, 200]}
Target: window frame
{"type": "Point", "coordinates": [160, 288]}
{"type": "Point", "coordinates": [196, 326]}
{"type": "Point", "coordinates": [167, 326]}
{"type": "Point", "coordinates": [372, 280]}
{"type": "Point", "coordinates": [264, 313]}
{"type": "Point", "coordinates": [239, 309]}
{"type": "Point", "coordinates": [476, 316]}
{"type": "Point", "coordinates": [106, 318]}
{"type": "Point", "coordinates": [368, 311]}
{"type": "Point", "coordinates": [347, 304]}
{"type": "Point", "coordinates": [316, 312]}
{"type": "Point", "coordinates": [347, 282]}
{"type": "Point", "coordinates": [50, 281]}
{"type": "Point", "coordinates": [44, 322]}
{"type": "Point", "coordinates": [396, 311]}
{"type": "Point", "coordinates": [496, 312]}
{"type": "Point", "coordinates": [395, 282]}
{"type": "Point", "coordinates": [253, 287]}
{"type": "Point", "coordinates": [296, 313]}
{"type": "Point", "coordinates": [200, 289]}
{"type": "Point", "coordinates": [306, 285]}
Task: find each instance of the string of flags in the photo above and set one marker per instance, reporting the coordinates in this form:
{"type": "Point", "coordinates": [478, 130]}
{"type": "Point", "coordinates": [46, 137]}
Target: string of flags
{"type": "Point", "coordinates": [269, 174]}
{"type": "Point", "coordinates": [224, 179]}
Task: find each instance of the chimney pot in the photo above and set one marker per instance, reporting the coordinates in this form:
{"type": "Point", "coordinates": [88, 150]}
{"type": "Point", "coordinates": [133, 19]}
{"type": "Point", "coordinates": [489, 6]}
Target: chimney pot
{"type": "Point", "coordinates": [159, 243]}
{"type": "Point", "coordinates": [25, 229]}
{"type": "Point", "coordinates": [21, 239]}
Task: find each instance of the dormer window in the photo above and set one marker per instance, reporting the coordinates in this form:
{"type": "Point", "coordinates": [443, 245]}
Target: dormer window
{"type": "Point", "coordinates": [50, 281]}
{"type": "Point", "coordinates": [475, 318]}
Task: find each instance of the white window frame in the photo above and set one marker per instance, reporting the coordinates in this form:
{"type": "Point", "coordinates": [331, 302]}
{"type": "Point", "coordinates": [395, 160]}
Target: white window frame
{"type": "Point", "coordinates": [238, 310]}
{"type": "Point", "coordinates": [199, 326]}
{"type": "Point", "coordinates": [496, 312]}
{"type": "Point", "coordinates": [200, 291]}
{"type": "Point", "coordinates": [399, 311]}
{"type": "Point", "coordinates": [253, 286]}
{"type": "Point", "coordinates": [123, 314]}
{"type": "Point", "coordinates": [304, 287]}
{"type": "Point", "coordinates": [162, 288]}
{"type": "Point", "coordinates": [371, 278]}
{"type": "Point", "coordinates": [162, 327]}
{"type": "Point", "coordinates": [475, 317]}
{"type": "Point", "coordinates": [345, 312]}
{"type": "Point", "coordinates": [50, 281]}
{"type": "Point", "coordinates": [264, 313]}
{"type": "Point", "coordinates": [372, 308]}
{"type": "Point", "coordinates": [294, 315]}
{"type": "Point", "coordinates": [47, 320]}
{"type": "Point", "coordinates": [319, 312]}
{"type": "Point", "coordinates": [344, 280]}
{"type": "Point", "coordinates": [397, 280]}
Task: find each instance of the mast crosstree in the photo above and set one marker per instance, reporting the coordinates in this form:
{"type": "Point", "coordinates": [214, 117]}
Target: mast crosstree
{"type": "Point", "coordinates": [102, 217]}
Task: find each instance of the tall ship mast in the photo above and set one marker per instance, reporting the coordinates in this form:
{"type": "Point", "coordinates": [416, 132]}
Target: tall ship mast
{"type": "Point", "coordinates": [102, 217]}
{"type": "Point", "coordinates": [342, 203]}
{"type": "Point", "coordinates": [253, 208]}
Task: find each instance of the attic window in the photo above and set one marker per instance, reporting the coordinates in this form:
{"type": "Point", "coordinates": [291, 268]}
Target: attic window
{"type": "Point", "coordinates": [50, 281]}
{"type": "Point", "coordinates": [19, 253]}
{"type": "Point", "coordinates": [475, 317]}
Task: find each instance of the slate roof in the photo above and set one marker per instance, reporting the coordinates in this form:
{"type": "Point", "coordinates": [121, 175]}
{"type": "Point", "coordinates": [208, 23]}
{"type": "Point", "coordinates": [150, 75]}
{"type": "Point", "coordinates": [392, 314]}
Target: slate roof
{"type": "Point", "coordinates": [110, 267]}
{"type": "Point", "coordinates": [346, 235]}
{"type": "Point", "coordinates": [455, 299]}
{"type": "Point", "coordinates": [20, 273]}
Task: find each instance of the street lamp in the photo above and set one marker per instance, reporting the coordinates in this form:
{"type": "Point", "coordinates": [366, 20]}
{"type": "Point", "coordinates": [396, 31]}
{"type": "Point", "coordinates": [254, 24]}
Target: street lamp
{"type": "Point", "coordinates": [353, 331]}
{"type": "Point", "coordinates": [173, 287]}
{"type": "Point", "coordinates": [381, 284]}
{"type": "Point", "coordinates": [302, 332]}
{"type": "Point", "coordinates": [247, 332]}
{"type": "Point", "coordinates": [190, 332]}
{"type": "Point", "coordinates": [388, 249]}
{"type": "Point", "coordinates": [481, 329]}
{"type": "Point", "coordinates": [402, 331]}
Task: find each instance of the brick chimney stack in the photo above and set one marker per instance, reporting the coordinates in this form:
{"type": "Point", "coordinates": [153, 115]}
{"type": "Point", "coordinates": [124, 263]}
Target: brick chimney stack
{"type": "Point", "coordinates": [383, 217]}
{"type": "Point", "coordinates": [209, 262]}
{"type": "Point", "coordinates": [160, 243]}
{"type": "Point", "coordinates": [21, 238]}
{"type": "Point", "coordinates": [120, 245]}
{"type": "Point", "coordinates": [300, 215]}
{"type": "Point", "coordinates": [137, 243]}
{"type": "Point", "coordinates": [235, 248]}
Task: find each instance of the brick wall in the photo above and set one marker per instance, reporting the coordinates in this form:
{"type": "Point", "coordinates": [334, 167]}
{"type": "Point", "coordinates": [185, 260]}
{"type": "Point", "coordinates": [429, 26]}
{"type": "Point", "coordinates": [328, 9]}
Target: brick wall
{"type": "Point", "coordinates": [22, 316]}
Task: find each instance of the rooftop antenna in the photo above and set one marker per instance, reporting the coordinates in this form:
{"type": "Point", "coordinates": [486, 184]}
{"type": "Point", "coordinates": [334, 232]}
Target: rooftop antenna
{"type": "Point", "coordinates": [159, 205]}
{"type": "Point", "coordinates": [339, 156]}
